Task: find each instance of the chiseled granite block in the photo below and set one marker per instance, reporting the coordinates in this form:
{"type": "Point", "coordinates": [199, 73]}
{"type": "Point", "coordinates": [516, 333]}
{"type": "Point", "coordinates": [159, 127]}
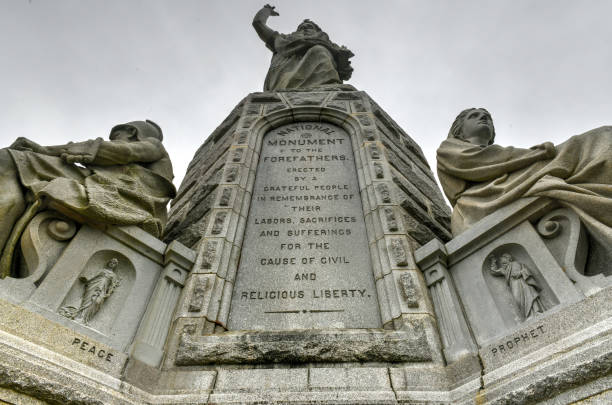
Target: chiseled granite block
{"type": "Point", "coordinates": [307, 346]}
{"type": "Point", "coordinates": [262, 380]}
{"type": "Point", "coordinates": [18, 326]}
{"type": "Point", "coordinates": [546, 330]}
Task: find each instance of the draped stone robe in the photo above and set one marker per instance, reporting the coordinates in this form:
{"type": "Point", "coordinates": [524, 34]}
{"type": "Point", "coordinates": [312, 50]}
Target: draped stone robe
{"type": "Point", "coordinates": [113, 189]}
{"type": "Point", "coordinates": [301, 61]}
{"type": "Point", "coordinates": [577, 174]}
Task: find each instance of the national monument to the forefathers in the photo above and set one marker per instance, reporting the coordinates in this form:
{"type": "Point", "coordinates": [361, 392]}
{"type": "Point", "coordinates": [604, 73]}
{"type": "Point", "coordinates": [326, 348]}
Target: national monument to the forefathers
{"type": "Point", "coordinates": [308, 257]}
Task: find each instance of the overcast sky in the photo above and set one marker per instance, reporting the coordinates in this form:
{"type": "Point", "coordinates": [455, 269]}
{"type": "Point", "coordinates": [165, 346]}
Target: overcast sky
{"type": "Point", "coordinates": [71, 69]}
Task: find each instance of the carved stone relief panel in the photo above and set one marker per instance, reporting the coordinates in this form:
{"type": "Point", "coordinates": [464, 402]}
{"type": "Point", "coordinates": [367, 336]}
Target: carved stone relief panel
{"type": "Point", "coordinates": [383, 193]}
{"type": "Point", "coordinates": [305, 261]}
{"type": "Point", "coordinates": [208, 254]}
{"type": "Point", "coordinates": [510, 282]}
{"type": "Point", "coordinates": [100, 291]}
{"type": "Point", "coordinates": [96, 290]}
{"type": "Point", "coordinates": [197, 294]}
{"type": "Point", "coordinates": [515, 283]}
{"type": "Point", "coordinates": [410, 290]}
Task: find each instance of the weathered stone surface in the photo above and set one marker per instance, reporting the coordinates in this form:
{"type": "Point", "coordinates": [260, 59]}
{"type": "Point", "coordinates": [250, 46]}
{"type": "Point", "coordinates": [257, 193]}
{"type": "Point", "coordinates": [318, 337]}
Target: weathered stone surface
{"type": "Point", "coordinates": [409, 289]}
{"type": "Point", "coordinates": [338, 105]}
{"type": "Point", "coordinates": [417, 230]}
{"type": "Point", "coordinates": [304, 346]}
{"type": "Point", "coordinates": [197, 295]}
{"type": "Point", "coordinates": [302, 99]}
{"type": "Point", "coordinates": [400, 138]}
{"type": "Point", "coordinates": [416, 176]}
{"type": "Point", "coordinates": [546, 330]}
{"type": "Point", "coordinates": [305, 258]}
{"type": "Point", "coordinates": [558, 382]}
{"type": "Point", "coordinates": [418, 213]}
{"type": "Point", "coordinates": [59, 339]}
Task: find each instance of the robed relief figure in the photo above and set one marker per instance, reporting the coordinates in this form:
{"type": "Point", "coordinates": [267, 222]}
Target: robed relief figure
{"type": "Point", "coordinates": [96, 291]}
{"type": "Point", "coordinates": [124, 181]}
{"type": "Point", "coordinates": [522, 285]}
{"type": "Point", "coordinates": [305, 58]}
{"type": "Point", "coordinates": [479, 177]}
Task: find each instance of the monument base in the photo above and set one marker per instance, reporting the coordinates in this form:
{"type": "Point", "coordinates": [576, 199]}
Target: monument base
{"type": "Point", "coordinates": [574, 368]}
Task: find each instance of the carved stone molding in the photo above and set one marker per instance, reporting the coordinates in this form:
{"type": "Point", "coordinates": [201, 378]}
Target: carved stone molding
{"type": "Point", "coordinates": [398, 252]}
{"type": "Point", "coordinates": [197, 295]}
{"type": "Point", "coordinates": [410, 290]}
{"type": "Point", "coordinates": [384, 193]}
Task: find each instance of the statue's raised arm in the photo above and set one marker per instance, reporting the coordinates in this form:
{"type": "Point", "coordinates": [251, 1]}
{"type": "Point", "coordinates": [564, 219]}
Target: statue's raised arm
{"type": "Point", "coordinates": [303, 59]}
{"type": "Point", "coordinates": [259, 23]}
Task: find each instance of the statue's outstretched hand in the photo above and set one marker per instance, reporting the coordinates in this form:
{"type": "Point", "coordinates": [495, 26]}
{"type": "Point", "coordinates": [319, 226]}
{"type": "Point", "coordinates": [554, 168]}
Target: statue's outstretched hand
{"type": "Point", "coordinates": [74, 158]}
{"type": "Point", "coordinates": [270, 10]}
{"type": "Point", "coordinates": [265, 12]}
{"type": "Point", "coordinates": [548, 148]}
{"type": "Point", "coordinates": [25, 144]}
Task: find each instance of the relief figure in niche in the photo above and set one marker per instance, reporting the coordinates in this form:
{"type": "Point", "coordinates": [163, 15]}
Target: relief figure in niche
{"type": "Point", "coordinates": [480, 177]}
{"type": "Point", "coordinates": [124, 181]}
{"type": "Point", "coordinates": [96, 291]}
{"type": "Point", "coordinates": [305, 58]}
{"type": "Point", "coordinates": [522, 285]}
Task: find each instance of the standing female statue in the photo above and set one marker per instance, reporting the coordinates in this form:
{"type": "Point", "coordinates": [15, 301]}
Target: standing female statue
{"type": "Point", "coordinates": [97, 290]}
{"type": "Point", "coordinates": [522, 285]}
{"type": "Point", "coordinates": [303, 59]}
{"type": "Point", "coordinates": [479, 177]}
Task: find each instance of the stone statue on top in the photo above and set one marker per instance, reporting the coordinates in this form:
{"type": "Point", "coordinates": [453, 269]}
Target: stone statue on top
{"type": "Point", "coordinates": [124, 181]}
{"type": "Point", "coordinates": [303, 59]}
{"type": "Point", "coordinates": [480, 177]}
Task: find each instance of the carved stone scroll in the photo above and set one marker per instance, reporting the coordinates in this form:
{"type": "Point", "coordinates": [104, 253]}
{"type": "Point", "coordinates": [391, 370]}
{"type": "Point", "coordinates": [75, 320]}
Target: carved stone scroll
{"type": "Point", "coordinates": [567, 239]}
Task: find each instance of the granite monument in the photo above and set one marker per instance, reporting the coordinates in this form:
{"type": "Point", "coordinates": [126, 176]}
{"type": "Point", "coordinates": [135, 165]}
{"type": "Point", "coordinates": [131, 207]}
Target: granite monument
{"type": "Point", "coordinates": [307, 257]}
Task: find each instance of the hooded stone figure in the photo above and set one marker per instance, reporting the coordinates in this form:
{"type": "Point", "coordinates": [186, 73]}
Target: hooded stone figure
{"type": "Point", "coordinates": [124, 181]}
{"type": "Point", "coordinates": [303, 59]}
{"type": "Point", "coordinates": [480, 177]}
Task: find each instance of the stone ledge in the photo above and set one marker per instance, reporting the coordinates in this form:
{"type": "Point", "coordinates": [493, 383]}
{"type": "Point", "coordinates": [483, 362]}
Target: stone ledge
{"type": "Point", "coordinates": [304, 346]}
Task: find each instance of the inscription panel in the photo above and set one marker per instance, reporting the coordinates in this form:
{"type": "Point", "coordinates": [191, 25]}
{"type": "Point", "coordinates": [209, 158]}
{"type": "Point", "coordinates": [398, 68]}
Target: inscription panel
{"type": "Point", "coordinates": [305, 260]}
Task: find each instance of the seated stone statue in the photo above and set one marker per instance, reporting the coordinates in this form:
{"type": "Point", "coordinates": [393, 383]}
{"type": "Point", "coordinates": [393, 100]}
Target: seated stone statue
{"type": "Point", "coordinates": [303, 59]}
{"type": "Point", "coordinates": [479, 177]}
{"type": "Point", "coordinates": [124, 181]}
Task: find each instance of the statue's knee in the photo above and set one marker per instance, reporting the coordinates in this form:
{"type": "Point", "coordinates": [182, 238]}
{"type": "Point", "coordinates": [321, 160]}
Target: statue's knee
{"type": "Point", "coordinates": [12, 197]}
{"type": "Point", "coordinates": [6, 161]}
{"type": "Point", "coordinates": [320, 50]}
